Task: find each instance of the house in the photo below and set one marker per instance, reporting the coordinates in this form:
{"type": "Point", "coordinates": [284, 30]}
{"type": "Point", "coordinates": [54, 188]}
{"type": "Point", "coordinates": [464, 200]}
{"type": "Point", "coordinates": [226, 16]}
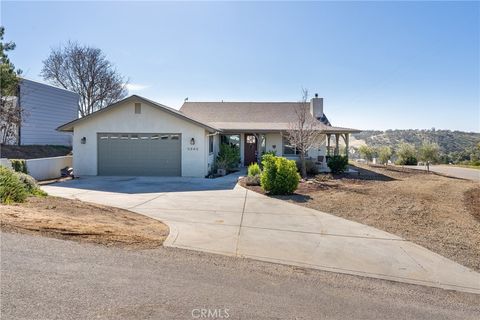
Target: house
{"type": "Point", "coordinates": [44, 108]}
{"type": "Point", "coordinates": [137, 136]}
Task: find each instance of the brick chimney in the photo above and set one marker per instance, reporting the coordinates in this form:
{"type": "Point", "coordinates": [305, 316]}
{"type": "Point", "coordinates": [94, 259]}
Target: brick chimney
{"type": "Point", "coordinates": [316, 107]}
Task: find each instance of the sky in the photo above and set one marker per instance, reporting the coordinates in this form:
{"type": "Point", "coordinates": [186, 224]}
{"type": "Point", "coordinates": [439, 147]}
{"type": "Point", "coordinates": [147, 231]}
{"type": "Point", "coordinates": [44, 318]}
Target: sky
{"type": "Point", "coordinates": [378, 65]}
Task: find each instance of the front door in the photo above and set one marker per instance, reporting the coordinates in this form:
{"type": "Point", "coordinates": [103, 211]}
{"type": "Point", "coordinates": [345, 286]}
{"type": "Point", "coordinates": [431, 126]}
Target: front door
{"type": "Point", "coordinates": [250, 150]}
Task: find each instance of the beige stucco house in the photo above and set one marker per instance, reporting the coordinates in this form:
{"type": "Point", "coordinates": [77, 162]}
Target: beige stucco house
{"type": "Point", "coordinates": [137, 136]}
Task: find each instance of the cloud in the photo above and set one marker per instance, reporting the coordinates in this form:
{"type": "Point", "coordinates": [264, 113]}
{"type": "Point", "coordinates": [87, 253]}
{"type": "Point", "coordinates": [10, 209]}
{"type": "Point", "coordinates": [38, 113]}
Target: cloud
{"type": "Point", "coordinates": [136, 86]}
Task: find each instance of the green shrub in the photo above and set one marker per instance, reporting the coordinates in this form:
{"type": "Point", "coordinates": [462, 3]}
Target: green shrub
{"type": "Point", "coordinates": [337, 164]}
{"type": "Point", "coordinates": [19, 165]}
{"type": "Point", "coordinates": [310, 166]}
{"type": "Point", "coordinates": [279, 175]}
{"type": "Point", "coordinates": [254, 170]}
{"type": "Point", "coordinates": [271, 152]}
{"type": "Point", "coordinates": [11, 188]}
{"type": "Point", "coordinates": [252, 180]}
{"type": "Point", "coordinates": [408, 161]}
{"type": "Point", "coordinates": [228, 156]}
{"type": "Point", "coordinates": [406, 154]}
{"type": "Point", "coordinates": [30, 184]}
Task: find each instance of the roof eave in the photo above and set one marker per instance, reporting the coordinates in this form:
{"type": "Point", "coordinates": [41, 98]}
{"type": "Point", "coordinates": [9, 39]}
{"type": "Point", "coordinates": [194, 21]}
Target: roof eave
{"type": "Point", "coordinates": [68, 127]}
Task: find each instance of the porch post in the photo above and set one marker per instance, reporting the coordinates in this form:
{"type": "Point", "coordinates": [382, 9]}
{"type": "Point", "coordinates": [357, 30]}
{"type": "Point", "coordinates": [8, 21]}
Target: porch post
{"type": "Point", "coordinates": [337, 137]}
{"type": "Point", "coordinates": [328, 144]}
{"type": "Point", "coordinates": [346, 144]}
{"type": "Point", "coordinates": [259, 137]}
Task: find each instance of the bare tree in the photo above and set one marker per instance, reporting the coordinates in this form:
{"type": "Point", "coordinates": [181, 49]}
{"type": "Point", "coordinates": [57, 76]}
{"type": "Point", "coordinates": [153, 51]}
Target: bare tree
{"type": "Point", "coordinates": [86, 71]}
{"type": "Point", "coordinates": [303, 133]}
{"type": "Point", "coordinates": [10, 119]}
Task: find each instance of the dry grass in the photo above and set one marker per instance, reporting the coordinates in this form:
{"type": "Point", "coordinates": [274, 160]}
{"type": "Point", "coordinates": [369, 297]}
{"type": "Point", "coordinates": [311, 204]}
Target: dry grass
{"type": "Point", "coordinates": [439, 213]}
{"type": "Point", "coordinates": [84, 222]}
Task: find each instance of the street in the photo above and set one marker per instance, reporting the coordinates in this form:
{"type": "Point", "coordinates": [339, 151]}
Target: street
{"type": "Point", "coordinates": [452, 171]}
{"type": "Point", "coordinates": [43, 278]}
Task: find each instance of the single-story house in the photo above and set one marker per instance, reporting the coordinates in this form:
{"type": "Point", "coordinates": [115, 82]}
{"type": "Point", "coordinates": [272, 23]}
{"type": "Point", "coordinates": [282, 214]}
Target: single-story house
{"type": "Point", "coordinates": [44, 108]}
{"type": "Point", "coordinates": [137, 136]}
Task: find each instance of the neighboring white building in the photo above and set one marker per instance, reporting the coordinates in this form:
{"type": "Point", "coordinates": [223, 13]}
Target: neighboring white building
{"type": "Point", "coordinates": [45, 108]}
{"type": "Point", "coordinates": [137, 136]}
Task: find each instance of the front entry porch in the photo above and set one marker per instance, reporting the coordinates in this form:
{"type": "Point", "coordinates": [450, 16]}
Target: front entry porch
{"type": "Point", "coordinates": [252, 145]}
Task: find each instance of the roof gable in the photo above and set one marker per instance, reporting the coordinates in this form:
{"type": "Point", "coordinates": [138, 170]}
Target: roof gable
{"type": "Point", "coordinates": [70, 125]}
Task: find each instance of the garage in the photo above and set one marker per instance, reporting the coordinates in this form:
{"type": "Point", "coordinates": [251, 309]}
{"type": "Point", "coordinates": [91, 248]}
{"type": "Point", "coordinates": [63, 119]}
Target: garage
{"type": "Point", "coordinates": [139, 154]}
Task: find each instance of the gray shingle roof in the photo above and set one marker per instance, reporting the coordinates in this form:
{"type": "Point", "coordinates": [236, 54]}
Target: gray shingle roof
{"type": "Point", "coordinates": [258, 116]}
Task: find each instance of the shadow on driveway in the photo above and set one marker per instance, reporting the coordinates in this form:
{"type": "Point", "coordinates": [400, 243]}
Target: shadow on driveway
{"type": "Point", "coordinates": [134, 185]}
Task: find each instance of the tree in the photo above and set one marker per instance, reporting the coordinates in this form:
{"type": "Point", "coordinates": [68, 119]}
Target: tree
{"type": "Point", "coordinates": [406, 154]}
{"type": "Point", "coordinates": [429, 153]}
{"type": "Point", "coordinates": [367, 152]}
{"type": "Point", "coordinates": [86, 71]}
{"type": "Point", "coordinates": [10, 110]}
{"type": "Point", "coordinates": [384, 154]}
{"type": "Point", "coordinates": [303, 133]}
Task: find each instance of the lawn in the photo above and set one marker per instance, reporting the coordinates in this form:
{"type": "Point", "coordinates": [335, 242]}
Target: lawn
{"type": "Point", "coordinates": [436, 212]}
{"type": "Point", "coordinates": [84, 222]}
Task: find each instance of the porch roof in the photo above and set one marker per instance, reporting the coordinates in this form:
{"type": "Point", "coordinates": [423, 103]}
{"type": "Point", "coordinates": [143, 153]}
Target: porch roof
{"type": "Point", "coordinates": [272, 127]}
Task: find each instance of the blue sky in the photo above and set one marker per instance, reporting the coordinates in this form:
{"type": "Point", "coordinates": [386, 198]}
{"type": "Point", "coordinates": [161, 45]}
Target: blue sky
{"type": "Point", "coordinates": [378, 65]}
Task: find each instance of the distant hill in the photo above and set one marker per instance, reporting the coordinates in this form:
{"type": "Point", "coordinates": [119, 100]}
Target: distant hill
{"type": "Point", "coordinates": [454, 145]}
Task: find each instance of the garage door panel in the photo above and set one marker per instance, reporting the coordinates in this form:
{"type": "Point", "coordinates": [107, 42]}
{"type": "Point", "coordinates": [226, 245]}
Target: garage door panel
{"type": "Point", "coordinates": [142, 154]}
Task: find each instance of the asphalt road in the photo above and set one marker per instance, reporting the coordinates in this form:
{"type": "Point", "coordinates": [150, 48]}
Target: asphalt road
{"type": "Point", "coordinates": [44, 278]}
{"type": "Point", "coordinates": [452, 171]}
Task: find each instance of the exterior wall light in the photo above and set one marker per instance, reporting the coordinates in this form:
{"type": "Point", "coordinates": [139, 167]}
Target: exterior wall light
{"type": "Point", "coordinates": [83, 140]}
{"type": "Point", "coordinates": [192, 141]}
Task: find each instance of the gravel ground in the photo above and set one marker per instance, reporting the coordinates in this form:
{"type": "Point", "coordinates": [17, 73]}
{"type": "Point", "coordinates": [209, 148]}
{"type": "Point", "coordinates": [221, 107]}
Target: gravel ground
{"type": "Point", "coordinates": [439, 213]}
{"type": "Point", "coordinates": [45, 278]}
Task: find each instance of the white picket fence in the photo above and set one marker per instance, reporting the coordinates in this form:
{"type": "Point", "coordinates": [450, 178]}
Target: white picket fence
{"type": "Point", "coordinates": [44, 168]}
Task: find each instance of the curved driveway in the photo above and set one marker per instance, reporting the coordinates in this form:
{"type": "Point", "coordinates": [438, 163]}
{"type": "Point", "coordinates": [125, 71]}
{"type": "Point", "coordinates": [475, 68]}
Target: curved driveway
{"type": "Point", "coordinates": [221, 217]}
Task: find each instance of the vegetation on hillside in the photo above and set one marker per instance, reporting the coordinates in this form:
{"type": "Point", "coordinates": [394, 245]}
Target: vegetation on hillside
{"type": "Point", "coordinates": [456, 147]}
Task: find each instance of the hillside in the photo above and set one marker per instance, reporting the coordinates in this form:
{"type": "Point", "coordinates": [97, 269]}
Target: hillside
{"type": "Point", "coordinates": [454, 146]}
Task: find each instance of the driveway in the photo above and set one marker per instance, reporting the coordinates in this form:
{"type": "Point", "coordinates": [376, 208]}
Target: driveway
{"type": "Point", "coordinates": [452, 171]}
{"type": "Point", "coordinates": [219, 216]}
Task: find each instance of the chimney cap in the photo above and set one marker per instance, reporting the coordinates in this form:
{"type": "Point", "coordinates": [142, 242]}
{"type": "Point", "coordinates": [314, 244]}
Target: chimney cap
{"type": "Point", "coordinates": [316, 95]}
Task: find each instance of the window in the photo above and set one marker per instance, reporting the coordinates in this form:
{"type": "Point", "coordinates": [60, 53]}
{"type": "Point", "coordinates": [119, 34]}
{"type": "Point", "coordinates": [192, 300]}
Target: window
{"type": "Point", "coordinates": [251, 139]}
{"type": "Point", "coordinates": [210, 144]}
{"type": "Point", "coordinates": [154, 137]}
{"type": "Point", "coordinates": [134, 137]}
{"type": "Point", "coordinates": [138, 108]}
{"type": "Point", "coordinates": [288, 148]}
{"type": "Point", "coordinates": [164, 137]}
{"type": "Point", "coordinates": [174, 137]}
{"type": "Point", "coordinates": [230, 139]}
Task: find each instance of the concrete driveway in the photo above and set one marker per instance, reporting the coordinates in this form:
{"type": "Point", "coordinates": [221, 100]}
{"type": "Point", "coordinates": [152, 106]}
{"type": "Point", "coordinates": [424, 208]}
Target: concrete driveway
{"type": "Point", "coordinates": [219, 216]}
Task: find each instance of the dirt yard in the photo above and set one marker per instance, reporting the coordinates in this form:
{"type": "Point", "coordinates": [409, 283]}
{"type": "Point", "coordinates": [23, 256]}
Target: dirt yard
{"type": "Point", "coordinates": [84, 222]}
{"type": "Point", "coordinates": [439, 213]}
